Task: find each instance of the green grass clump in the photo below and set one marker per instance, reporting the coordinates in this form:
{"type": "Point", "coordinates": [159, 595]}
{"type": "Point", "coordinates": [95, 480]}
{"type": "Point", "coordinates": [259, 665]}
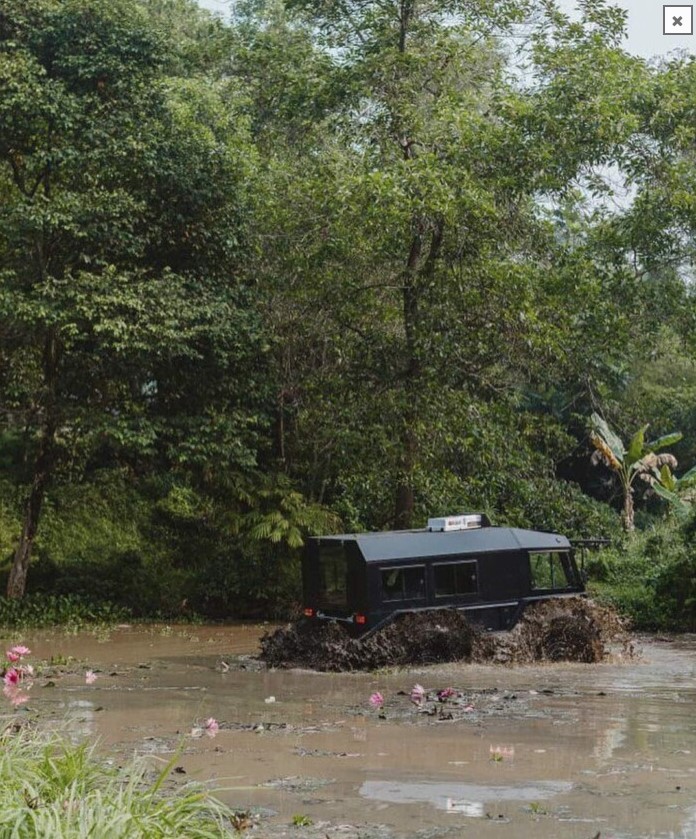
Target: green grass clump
{"type": "Point", "coordinates": [51, 787]}
{"type": "Point", "coordinates": [41, 610]}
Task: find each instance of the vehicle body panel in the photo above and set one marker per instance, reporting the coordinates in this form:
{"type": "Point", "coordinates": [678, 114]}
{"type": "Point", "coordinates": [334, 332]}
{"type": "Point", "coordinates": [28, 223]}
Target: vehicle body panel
{"type": "Point", "coordinates": [491, 573]}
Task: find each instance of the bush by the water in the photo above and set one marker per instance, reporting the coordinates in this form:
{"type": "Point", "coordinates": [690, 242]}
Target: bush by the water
{"type": "Point", "coordinates": [50, 787]}
{"type": "Point", "coordinates": [151, 547]}
{"type": "Point", "coordinates": [40, 610]}
{"type": "Point", "coordinates": [650, 576]}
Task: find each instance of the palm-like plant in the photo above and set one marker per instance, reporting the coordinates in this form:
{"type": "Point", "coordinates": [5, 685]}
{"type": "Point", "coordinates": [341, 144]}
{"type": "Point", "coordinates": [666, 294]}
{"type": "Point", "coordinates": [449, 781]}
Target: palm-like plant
{"type": "Point", "coordinates": [639, 458]}
{"type": "Point", "coordinates": [680, 492]}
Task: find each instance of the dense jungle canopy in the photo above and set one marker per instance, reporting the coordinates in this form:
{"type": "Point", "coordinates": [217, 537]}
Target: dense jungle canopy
{"type": "Point", "coordinates": [332, 265]}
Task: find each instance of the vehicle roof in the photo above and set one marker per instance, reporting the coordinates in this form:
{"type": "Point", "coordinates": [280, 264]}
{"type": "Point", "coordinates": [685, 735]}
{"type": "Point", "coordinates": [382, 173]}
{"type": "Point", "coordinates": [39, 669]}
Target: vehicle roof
{"type": "Point", "coordinates": [422, 544]}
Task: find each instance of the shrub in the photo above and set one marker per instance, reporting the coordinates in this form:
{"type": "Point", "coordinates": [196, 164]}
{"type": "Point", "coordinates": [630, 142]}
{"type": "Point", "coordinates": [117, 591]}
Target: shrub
{"type": "Point", "coordinates": [650, 576]}
{"type": "Point", "coordinates": [39, 610]}
{"type": "Point", "coordinates": [51, 787]}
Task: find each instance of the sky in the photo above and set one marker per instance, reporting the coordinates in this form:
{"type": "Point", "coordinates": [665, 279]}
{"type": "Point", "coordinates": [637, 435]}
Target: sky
{"type": "Point", "coordinates": [645, 20]}
{"type": "Point", "coordinates": [645, 23]}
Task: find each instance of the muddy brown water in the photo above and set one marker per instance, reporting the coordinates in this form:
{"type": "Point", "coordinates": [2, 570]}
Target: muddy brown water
{"type": "Point", "coordinates": [556, 750]}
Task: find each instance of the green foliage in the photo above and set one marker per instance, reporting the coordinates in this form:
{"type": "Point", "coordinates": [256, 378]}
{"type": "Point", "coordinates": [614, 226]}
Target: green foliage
{"type": "Point", "coordinates": [638, 459]}
{"type": "Point", "coordinates": [269, 511]}
{"type": "Point", "coordinates": [279, 277]}
{"type": "Point", "coordinates": [158, 548]}
{"type": "Point", "coordinates": [126, 328]}
{"type": "Point", "coordinates": [102, 518]}
{"type": "Point", "coordinates": [52, 787]}
{"type": "Point", "coordinates": [239, 548]}
{"type": "Point", "coordinates": [650, 576]}
{"type": "Point", "coordinates": [492, 457]}
{"type": "Point", "coordinates": [298, 820]}
{"type": "Point", "coordinates": [9, 521]}
{"type": "Point", "coordinates": [95, 547]}
{"type": "Point", "coordinates": [678, 492]}
{"type": "Point", "coordinates": [45, 610]}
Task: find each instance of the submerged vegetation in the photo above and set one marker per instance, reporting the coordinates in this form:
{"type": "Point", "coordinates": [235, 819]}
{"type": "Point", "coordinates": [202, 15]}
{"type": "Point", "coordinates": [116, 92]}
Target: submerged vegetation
{"type": "Point", "coordinates": [327, 267]}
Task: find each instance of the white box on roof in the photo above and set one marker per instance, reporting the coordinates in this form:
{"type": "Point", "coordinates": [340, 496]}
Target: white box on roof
{"type": "Point", "coordinates": [447, 523]}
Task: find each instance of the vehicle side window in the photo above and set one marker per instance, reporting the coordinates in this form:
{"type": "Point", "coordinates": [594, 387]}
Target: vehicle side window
{"type": "Point", "coordinates": [403, 583]}
{"type": "Point", "coordinates": [549, 570]}
{"type": "Point", "coordinates": [453, 578]}
{"type": "Point", "coordinates": [333, 566]}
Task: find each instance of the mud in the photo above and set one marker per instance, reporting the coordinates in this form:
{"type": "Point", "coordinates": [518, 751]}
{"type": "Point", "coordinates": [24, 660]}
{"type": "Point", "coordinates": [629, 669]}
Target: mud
{"type": "Point", "coordinates": [549, 750]}
{"type": "Point", "coordinates": [573, 629]}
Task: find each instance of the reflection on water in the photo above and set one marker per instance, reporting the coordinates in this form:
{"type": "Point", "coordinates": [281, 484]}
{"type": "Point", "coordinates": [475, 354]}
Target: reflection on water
{"type": "Point", "coordinates": [609, 740]}
{"type": "Point", "coordinates": [79, 719]}
{"type": "Point", "coordinates": [462, 798]}
{"type": "Point", "coordinates": [689, 829]}
{"type": "Point", "coordinates": [473, 809]}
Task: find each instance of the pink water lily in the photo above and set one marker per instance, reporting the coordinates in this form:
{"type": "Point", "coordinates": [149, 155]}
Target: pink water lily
{"type": "Point", "coordinates": [13, 677]}
{"type": "Point", "coordinates": [377, 700]}
{"type": "Point", "coordinates": [447, 693]}
{"type": "Point", "coordinates": [417, 694]}
{"type": "Point", "coordinates": [14, 695]}
{"type": "Point", "coordinates": [17, 679]}
{"type": "Point", "coordinates": [211, 727]}
{"type": "Point", "coordinates": [90, 677]}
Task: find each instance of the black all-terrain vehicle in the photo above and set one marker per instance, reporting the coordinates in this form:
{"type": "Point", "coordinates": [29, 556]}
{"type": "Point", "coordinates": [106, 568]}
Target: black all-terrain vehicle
{"type": "Point", "coordinates": [365, 580]}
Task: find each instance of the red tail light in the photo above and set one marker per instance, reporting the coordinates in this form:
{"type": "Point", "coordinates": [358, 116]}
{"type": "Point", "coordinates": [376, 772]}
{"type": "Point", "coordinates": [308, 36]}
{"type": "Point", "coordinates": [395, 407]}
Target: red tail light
{"type": "Point", "coordinates": [308, 612]}
{"type": "Point", "coordinates": [361, 619]}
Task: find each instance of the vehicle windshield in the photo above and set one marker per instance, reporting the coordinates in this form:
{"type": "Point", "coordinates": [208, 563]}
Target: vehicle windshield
{"type": "Point", "coordinates": [551, 570]}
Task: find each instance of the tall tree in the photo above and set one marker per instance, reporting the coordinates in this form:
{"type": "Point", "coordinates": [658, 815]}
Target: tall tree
{"type": "Point", "coordinates": [126, 195]}
{"type": "Point", "coordinates": [414, 232]}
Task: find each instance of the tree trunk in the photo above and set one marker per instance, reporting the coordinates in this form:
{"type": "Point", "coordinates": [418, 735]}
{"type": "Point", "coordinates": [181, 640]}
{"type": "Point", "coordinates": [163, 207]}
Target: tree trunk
{"type": "Point", "coordinates": [628, 515]}
{"type": "Point", "coordinates": [403, 513]}
{"type": "Point", "coordinates": [17, 582]}
{"type": "Point", "coordinates": [405, 12]}
{"type": "Point", "coordinates": [405, 496]}
{"type": "Point", "coordinates": [413, 276]}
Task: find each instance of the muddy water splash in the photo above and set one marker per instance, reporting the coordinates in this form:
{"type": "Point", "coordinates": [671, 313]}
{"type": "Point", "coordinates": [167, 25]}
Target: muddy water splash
{"type": "Point", "coordinates": [553, 750]}
{"type": "Point", "coordinates": [567, 629]}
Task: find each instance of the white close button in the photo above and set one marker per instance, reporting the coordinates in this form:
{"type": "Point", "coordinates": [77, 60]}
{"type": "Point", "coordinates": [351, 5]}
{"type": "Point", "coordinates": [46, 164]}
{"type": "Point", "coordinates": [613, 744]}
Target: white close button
{"type": "Point", "coordinates": [677, 20]}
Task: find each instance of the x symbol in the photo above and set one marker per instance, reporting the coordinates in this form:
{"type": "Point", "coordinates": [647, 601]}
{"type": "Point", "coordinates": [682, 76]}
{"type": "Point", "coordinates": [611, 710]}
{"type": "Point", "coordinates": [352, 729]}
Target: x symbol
{"type": "Point", "coordinates": [676, 21]}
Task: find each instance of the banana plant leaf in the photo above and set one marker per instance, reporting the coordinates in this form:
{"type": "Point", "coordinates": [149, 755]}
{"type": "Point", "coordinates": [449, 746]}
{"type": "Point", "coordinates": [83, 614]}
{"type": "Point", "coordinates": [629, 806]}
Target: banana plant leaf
{"type": "Point", "coordinates": [661, 442]}
{"type": "Point", "coordinates": [636, 448]}
{"type": "Point", "coordinates": [688, 479]}
{"type": "Point", "coordinates": [612, 440]}
{"type": "Point", "coordinates": [667, 479]}
{"type": "Point", "coordinates": [681, 508]}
